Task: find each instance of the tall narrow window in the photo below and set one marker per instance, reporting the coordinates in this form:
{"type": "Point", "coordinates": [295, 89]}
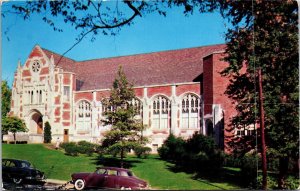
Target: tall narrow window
{"type": "Point", "coordinates": [190, 111]}
{"type": "Point", "coordinates": [41, 97]}
{"type": "Point", "coordinates": [161, 112]}
{"type": "Point", "coordinates": [83, 119]}
{"type": "Point", "coordinates": [67, 93]}
{"type": "Point", "coordinates": [31, 97]}
{"type": "Point", "coordinates": [138, 107]}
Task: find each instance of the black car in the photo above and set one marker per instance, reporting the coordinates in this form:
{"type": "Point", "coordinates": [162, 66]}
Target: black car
{"type": "Point", "coordinates": [20, 171]}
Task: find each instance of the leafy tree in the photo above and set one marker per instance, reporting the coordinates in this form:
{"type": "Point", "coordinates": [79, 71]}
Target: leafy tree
{"type": "Point", "coordinates": [6, 97]}
{"type": "Point", "coordinates": [14, 125]}
{"type": "Point", "coordinates": [265, 36]}
{"type": "Point", "coordinates": [47, 133]}
{"type": "Point", "coordinates": [125, 133]}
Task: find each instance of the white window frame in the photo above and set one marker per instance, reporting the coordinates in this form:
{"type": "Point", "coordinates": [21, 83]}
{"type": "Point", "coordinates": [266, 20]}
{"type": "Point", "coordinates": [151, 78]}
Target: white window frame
{"type": "Point", "coordinates": [161, 112]}
{"type": "Point", "coordinates": [190, 111]}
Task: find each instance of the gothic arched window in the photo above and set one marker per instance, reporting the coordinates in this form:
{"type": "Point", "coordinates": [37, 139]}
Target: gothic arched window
{"type": "Point", "coordinates": [190, 111]}
{"type": "Point", "coordinates": [161, 112]}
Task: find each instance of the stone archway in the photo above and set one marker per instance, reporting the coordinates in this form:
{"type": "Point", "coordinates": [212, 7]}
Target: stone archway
{"type": "Point", "coordinates": [36, 123]}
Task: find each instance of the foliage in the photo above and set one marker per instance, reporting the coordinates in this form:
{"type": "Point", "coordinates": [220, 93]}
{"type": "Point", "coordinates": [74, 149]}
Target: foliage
{"type": "Point", "coordinates": [70, 148]}
{"type": "Point", "coordinates": [249, 171]}
{"type": "Point", "coordinates": [265, 35]}
{"type": "Point", "coordinates": [47, 133]}
{"type": "Point", "coordinates": [198, 152]}
{"type": "Point", "coordinates": [85, 147]}
{"type": "Point", "coordinates": [142, 152]}
{"type": "Point", "coordinates": [125, 133]}
{"type": "Point", "coordinates": [172, 149]}
{"type": "Point", "coordinates": [82, 147]}
{"type": "Point", "coordinates": [5, 98]}
{"type": "Point", "coordinates": [13, 124]}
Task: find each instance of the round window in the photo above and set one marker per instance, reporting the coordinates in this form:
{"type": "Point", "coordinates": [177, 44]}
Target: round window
{"type": "Point", "coordinates": [36, 66]}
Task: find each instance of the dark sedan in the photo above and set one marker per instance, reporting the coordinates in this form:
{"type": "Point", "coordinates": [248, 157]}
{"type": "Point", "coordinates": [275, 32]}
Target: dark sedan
{"type": "Point", "coordinates": [20, 171]}
{"type": "Point", "coordinates": [108, 177]}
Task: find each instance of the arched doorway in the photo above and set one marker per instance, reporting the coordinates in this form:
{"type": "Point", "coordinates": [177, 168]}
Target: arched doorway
{"type": "Point", "coordinates": [36, 125]}
{"type": "Point", "coordinates": [209, 128]}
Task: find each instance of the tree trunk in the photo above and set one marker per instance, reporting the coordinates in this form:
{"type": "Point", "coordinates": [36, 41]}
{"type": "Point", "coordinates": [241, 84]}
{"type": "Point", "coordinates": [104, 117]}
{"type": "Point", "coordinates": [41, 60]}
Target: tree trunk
{"type": "Point", "coordinates": [283, 169]}
{"type": "Point", "coordinates": [122, 153]}
{"type": "Point", "coordinates": [15, 141]}
{"type": "Point", "coordinates": [262, 132]}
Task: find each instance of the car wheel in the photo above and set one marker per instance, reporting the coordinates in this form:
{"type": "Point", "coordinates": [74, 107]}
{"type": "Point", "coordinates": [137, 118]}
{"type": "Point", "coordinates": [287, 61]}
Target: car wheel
{"type": "Point", "coordinates": [17, 180]}
{"type": "Point", "coordinates": [79, 184]}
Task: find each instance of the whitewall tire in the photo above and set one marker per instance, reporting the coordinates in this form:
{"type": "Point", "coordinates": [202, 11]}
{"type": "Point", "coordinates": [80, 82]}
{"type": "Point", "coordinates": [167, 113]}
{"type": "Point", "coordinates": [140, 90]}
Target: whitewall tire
{"type": "Point", "coordinates": [79, 184]}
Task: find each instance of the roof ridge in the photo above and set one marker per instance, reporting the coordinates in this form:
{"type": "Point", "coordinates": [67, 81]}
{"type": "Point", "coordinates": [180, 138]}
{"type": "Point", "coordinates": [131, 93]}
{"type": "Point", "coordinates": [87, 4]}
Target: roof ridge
{"type": "Point", "coordinates": [147, 53]}
{"type": "Point", "coordinates": [50, 51]}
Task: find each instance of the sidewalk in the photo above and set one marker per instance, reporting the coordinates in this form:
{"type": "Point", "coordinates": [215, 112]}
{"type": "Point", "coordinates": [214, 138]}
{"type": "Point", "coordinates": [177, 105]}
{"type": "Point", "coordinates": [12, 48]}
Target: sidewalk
{"type": "Point", "coordinates": [57, 183]}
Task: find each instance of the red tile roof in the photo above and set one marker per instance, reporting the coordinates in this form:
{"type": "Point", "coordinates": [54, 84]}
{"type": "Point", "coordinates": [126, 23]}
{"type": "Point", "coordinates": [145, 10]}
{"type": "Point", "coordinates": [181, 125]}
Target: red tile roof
{"type": "Point", "coordinates": [167, 67]}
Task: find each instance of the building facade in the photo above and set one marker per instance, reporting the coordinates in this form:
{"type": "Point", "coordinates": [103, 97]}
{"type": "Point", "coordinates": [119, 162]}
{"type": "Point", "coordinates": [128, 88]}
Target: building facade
{"type": "Point", "coordinates": [178, 91]}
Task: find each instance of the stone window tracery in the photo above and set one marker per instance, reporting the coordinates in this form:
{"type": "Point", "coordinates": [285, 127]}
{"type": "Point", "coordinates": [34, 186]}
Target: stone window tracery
{"type": "Point", "coordinates": [161, 112]}
{"type": "Point", "coordinates": [83, 119]}
{"type": "Point", "coordinates": [190, 111]}
{"type": "Point", "coordinates": [138, 107]}
{"type": "Point", "coordinates": [36, 66]}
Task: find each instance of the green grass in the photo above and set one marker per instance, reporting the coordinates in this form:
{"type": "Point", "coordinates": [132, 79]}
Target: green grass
{"type": "Point", "coordinates": [160, 174]}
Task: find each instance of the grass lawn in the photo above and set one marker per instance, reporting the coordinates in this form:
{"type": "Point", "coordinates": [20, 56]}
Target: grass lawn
{"type": "Point", "coordinates": [157, 172]}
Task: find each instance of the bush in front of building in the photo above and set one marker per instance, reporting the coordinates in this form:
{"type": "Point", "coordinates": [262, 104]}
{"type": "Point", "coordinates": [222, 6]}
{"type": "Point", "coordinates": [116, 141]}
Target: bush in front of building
{"type": "Point", "coordinates": [198, 152]}
{"type": "Point", "coordinates": [142, 152]}
{"type": "Point", "coordinates": [70, 148]}
{"type": "Point", "coordinates": [85, 147]}
{"type": "Point", "coordinates": [47, 133]}
{"type": "Point", "coordinates": [82, 147]}
{"type": "Point", "coordinates": [173, 149]}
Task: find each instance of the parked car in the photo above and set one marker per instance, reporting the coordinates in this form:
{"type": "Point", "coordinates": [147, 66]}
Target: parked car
{"type": "Point", "coordinates": [108, 177]}
{"type": "Point", "coordinates": [20, 171]}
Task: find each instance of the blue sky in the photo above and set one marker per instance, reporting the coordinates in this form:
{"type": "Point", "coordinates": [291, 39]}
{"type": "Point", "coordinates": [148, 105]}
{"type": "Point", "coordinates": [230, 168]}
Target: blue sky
{"type": "Point", "coordinates": [150, 33]}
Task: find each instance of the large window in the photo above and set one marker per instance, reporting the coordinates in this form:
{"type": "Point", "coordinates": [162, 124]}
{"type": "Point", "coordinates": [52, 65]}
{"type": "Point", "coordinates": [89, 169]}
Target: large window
{"type": "Point", "coordinates": [190, 111]}
{"type": "Point", "coordinates": [83, 116]}
{"type": "Point", "coordinates": [161, 112]}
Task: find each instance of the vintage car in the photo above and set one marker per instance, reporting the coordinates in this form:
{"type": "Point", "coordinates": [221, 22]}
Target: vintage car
{"type": "Point", "coordinates": [108, 177]}
{"type": "Point", "coordinates": [20, 171]}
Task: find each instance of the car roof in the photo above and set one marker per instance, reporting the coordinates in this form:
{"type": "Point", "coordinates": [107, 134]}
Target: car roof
{"type": "Point", "coordinates": [113, 168]}
{"type": "Point", "coordinates": [15, 160]}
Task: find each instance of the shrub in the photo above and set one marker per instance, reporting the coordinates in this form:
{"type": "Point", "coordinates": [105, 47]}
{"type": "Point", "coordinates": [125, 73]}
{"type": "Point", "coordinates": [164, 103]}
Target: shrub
{"type": "Point", "coordinates": [142, 152]}
{"type": "Point", "coordinates": [173, 148]}
{"type": "Point", "coordinates": [70, 148]}
{"type": "Point", "coordinates": [249, 171]}
{"type": "Point", "coordinates": [47, 133]}
{"type": "Point", "coordinates": [85, 147]}
{"type": "Point", "coordinates": [232, 161]}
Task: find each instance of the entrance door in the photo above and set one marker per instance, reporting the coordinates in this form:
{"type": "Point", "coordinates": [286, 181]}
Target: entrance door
{"type": "Point", "coordinates": [66, 135]}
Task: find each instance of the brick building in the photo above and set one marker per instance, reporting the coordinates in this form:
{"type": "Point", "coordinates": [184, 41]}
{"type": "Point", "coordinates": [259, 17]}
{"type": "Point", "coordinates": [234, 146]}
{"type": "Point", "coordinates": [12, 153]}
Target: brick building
{"type": "Point", "coordinates": [178, 91]}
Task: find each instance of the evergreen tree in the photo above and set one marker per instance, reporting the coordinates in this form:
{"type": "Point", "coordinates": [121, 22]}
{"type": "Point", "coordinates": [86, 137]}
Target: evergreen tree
{"type": "Point", "coordinates": [125, 133]}
{"type": "Point", "coordinates": [47, 133]}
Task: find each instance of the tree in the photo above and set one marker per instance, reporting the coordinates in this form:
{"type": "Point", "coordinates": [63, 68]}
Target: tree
{"type": "Point", "coordinates": [125, 133]}
{"type": "Point", "coordinates": [47, 133]}
{"type": "Point", "coordinates": [14, 125]}
{"type": "Point", "coordinates": [6, 97]}
{"type": "Point", "coordinates": [265, 36]}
